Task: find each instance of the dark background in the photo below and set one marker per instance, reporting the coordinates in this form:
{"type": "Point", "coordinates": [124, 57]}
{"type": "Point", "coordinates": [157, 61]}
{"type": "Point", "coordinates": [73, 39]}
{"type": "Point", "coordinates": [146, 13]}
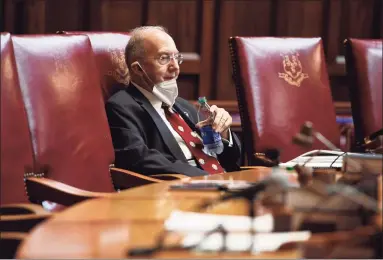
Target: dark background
{"type": "Point", "coordinates": [201, 28]}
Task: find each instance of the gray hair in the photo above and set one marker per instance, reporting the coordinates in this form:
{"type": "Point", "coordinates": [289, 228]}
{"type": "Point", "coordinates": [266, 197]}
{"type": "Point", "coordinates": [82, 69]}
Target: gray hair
{"type": "Point", "coordinates": [135, 47]}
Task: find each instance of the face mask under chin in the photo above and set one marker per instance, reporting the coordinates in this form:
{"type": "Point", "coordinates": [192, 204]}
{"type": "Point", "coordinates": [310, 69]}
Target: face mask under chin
{"type": "Point", "coordinates": [166, 91]}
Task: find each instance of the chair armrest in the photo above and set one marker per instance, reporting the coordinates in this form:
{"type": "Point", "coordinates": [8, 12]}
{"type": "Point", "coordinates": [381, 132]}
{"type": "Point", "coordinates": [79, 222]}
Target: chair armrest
{"type": "Point", "coordinates": [260, 159]}
{"type": "Point", "coordinates": [169, 176]}
{"type": "Point", "coordinates": [244, 168]}
{"type": "Point", "coordinates": [10, 241]}
{"type": "Point", "coordinates": [21, 208]}
{"type": "Point", "coordinates": [124, 179]}
{"type": "Point", "coordinates": [21, 223]}
{"type": "Point", "coordinates": [43, 189]}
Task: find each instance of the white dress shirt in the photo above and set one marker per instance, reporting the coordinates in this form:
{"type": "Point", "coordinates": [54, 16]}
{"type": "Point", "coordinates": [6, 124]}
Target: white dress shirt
{"type": "Point", "coordinates": [157, 105]}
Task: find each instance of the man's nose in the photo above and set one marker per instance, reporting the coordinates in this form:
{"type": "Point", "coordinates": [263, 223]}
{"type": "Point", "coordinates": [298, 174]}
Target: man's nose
{"type": "Point", "coordinates": [173, 64]}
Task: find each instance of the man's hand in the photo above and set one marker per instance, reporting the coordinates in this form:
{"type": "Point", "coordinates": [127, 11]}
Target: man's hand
{"type": "Point", "coordinates": [220, 122]}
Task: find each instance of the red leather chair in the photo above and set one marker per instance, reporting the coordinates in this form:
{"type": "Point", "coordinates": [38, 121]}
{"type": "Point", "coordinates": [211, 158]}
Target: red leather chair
{"type": "Point", "coordinates": [364, 70]}
{"type": "Point", "coordinates": [17, 158]}
{"type": "Point", "coordinates": [109, 50]}
{"type": "Point", "coordinates": [67, 121]}
{"type": "Point", "coordinates": [10, 242]}
{"type": "Point", "coordinates": [65, 109]}
{"type": "Point", "coordinates": [17, 214]}
{"type": "Point", "coordinates": [16, 144]}
{"type": "Point", "coordinates": [281, 83]}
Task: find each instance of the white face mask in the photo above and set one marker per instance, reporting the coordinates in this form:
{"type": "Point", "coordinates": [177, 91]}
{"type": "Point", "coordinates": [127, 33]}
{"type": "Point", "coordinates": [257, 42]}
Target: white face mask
{"type": "Point", "coordinates": [166, 91]}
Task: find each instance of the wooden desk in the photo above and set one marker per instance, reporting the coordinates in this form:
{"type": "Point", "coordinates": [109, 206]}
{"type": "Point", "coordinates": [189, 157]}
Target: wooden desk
{"type": "Point", "coordinates": [107, 228]}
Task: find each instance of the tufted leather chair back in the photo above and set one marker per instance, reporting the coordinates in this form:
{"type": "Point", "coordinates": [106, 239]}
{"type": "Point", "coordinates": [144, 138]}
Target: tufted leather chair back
{"type": "Point", "coordinates": [16, 146]}
{"type": "Point", "coordinates": [281, 83]}
{"type": "Point", "coordinates": [109, 50]}
{"type": "Point", "coordinates": [65, 110]}
{"type": "Point", "coordinates": [364, 70]}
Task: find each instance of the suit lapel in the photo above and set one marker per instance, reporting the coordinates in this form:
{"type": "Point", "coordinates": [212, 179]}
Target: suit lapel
{"type": "Point", "coordinates": [185, 115]}
{"type": "Point", "coordinates": [165, 133]}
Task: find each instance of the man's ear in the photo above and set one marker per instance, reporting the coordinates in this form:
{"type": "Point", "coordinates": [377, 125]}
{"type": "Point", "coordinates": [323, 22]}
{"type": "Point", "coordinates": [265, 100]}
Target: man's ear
{"type": "Point", "coordinates": [136, 67]}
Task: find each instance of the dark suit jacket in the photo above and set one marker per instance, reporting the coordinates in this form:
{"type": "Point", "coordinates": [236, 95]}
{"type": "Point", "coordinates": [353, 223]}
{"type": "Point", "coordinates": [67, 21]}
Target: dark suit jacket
{"type": "Point", "coordinates": [144, 144]}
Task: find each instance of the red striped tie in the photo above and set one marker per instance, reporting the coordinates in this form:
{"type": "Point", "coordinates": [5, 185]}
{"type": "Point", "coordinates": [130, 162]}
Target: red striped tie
{"type": "Point", "coordinates": [193, 142]}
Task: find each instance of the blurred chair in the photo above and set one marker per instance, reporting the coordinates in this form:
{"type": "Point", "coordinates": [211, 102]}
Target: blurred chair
{"type": "Point", "coordinates": [109, 50]}
{"type": "Point", "coordinates": [9, 242]}
{"type": "Point", "coordinates": [71, 139]}
{"type": "Point", "coordinates": [17, 160]}
{"type": "Point", "coordinates": [280, 84]}
{"type": "Point", "coordinates": [65, 110]}
{"type": "Point", "coordinates": [21, 217]}
{"type": "Point", "coordinates": [16, 144]}
{"type": "Point", "coordinates": [17, 215]}
{"type": "Point", "coordinates": [364, 70]}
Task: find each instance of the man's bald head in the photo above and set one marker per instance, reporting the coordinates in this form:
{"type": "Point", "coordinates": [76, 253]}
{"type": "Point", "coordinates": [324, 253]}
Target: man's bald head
{"type": "Point", "coordinates": [140, 40]}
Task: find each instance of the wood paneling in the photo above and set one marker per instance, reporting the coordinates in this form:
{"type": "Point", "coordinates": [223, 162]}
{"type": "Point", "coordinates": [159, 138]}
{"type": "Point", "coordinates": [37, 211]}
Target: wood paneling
{"type": "Point", "coordinates": [207, 47]}
{"type": "Point", "coordinates": [12, 9]}
{"type": "Point", "coordinates": [36, 16]}
{"type": "Point", "coordinates": [201, 29]}
{"type": "Point", "coordinates": [356, 17]}
{"type": "Point", "coordinates": [183, 25]}
{"type": "Point", "coordinates": [182, 20]}
{"type": "Point", "coordinates": [242, 18]}
{"type": "Point", "coordinates": [333, 23]}
{"type": "Point", "coordinates": [116, 15]}
{"type": "Point", "coordinates": [299, 18]}
{"type": "Point", "coordinates": [378, 19]}
{"type": "Point", "coordinates": [66, 15]}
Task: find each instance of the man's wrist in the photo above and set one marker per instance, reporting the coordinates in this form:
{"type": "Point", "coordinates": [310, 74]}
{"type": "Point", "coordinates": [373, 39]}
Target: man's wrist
{"type": "Point", "coordinates": [229, 139]}
{"type": "Point", "coordinates": [225, 134]}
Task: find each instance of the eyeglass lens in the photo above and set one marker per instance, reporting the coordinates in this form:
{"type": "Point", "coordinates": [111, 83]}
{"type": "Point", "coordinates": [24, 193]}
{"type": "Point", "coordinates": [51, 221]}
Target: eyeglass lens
{"type": "Point", "coordinates": [165, 58]}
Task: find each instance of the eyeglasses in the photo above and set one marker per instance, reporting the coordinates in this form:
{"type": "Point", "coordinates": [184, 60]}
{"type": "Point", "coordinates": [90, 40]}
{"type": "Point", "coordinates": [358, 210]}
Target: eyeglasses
{"type": "Point", "coordinates": [164, 59]}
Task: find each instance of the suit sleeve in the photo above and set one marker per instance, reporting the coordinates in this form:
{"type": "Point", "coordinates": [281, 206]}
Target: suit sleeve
{"type": "Point", "coordinates": [131, 151]}
{"type": "Point", "coordinates": [230, 157]}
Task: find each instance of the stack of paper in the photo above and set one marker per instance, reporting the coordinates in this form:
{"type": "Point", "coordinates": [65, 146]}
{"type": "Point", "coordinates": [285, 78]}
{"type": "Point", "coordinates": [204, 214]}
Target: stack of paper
{"type": "Point", "coordinates": [348, 162]}
{"type": "Point", "coordinates": [318, 159]}
{"type": "Point", "coordinates": [195, 226]}
{"type": "Point", "coordinates": [261, 242]}
{"type": "Point", "coordinates": [181, 221]}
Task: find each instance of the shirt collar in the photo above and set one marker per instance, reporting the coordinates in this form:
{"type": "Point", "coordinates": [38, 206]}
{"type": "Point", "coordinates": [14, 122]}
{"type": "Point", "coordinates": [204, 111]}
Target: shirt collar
{"type": "Point", "coordinates": [156, 103]}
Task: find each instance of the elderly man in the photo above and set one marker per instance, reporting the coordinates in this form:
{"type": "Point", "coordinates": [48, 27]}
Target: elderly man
{"type": "Point", "coordinates": [154, 130]}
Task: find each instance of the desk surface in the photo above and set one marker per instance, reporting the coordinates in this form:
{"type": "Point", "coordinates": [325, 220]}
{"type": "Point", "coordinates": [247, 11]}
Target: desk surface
{"type": "Point", "coordinates": [107, 228]}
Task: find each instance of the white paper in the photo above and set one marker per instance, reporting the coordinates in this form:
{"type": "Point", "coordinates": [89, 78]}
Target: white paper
{"type": "Point", "coordinates": [262, 242]}
{"type": "Point", "coordinates": [322, 153]}
{"type": "Point", "coordinates": [180, 221]}
{"type": "Point", "coordinates": [316, 161]}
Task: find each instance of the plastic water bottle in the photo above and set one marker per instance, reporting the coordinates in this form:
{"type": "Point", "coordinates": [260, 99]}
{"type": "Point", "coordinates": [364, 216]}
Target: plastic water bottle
{"type": "Point", "coordinates": [211, 139]}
